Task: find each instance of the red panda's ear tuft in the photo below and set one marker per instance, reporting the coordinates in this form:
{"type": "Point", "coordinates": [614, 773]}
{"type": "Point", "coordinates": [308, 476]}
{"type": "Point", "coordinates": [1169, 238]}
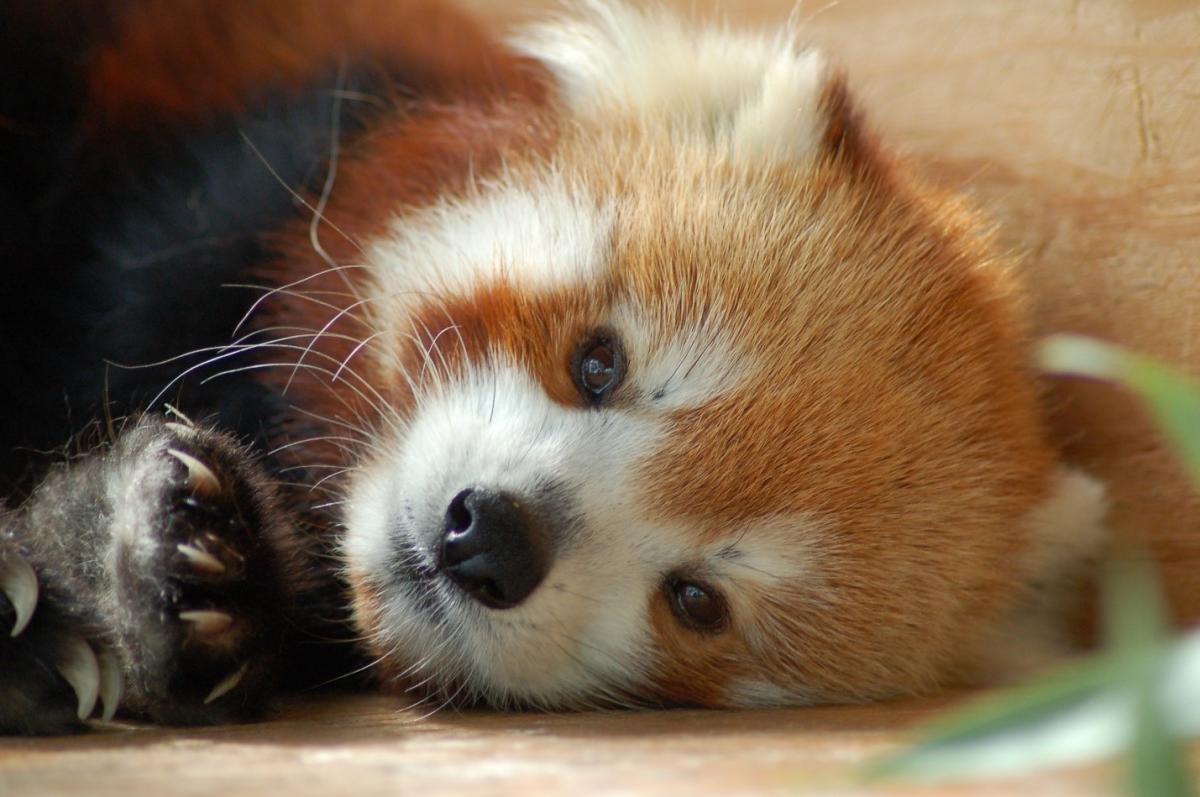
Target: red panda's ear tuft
{"type": "Point", "coordinates": [758, 97]}
{"type": "Point", "coordinates": [846, 136]}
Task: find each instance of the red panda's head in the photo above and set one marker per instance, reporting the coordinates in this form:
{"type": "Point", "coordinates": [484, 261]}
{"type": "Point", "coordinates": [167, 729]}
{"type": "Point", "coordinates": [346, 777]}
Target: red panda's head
{"type": "Point", "coordinates": [689, 395]}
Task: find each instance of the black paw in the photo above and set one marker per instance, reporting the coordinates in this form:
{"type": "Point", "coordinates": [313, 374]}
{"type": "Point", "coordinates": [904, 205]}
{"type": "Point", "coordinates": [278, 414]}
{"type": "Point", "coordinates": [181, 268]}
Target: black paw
{"type": "Point", "coordinates": [196, 575]}
{"type": "Point", "coordinates": [55, 668]}
{"type": "Point", "coordinates": [145, 577]}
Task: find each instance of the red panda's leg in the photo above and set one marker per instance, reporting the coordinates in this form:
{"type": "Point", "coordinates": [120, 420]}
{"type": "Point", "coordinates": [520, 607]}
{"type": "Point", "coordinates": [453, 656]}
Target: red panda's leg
{"type": "Point", "coordinates": [159, 585]}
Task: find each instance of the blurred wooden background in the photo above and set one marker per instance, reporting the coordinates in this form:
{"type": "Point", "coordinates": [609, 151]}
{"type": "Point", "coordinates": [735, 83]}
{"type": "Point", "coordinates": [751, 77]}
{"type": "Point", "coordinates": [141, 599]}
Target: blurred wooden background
{"type": "Point", "coordinates": [1077, 123]}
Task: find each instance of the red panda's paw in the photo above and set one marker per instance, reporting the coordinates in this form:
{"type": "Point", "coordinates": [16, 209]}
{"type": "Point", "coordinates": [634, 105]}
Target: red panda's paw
{"type": "Point", "coordinates": [55, 668]}
{"type": "Point", "coordinates": [142, 580]}
{"type": "Point", "coordinates": [197, 578]}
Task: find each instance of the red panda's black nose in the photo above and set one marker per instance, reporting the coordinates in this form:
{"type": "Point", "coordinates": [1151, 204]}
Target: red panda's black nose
{"type": "Point", "coordinates": [492, 548]}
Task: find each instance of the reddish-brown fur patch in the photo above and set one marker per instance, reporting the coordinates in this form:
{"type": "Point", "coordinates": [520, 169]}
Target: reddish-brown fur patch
{"type": "Point", "coordinates": [183, 62]}
{"type": "Point", "coordinates": [534, 331]}
{"type": "Point", "coordinates": [898, 404]}
{"type": "Point", "coordinates": [404, 163]}
{"type": "Point", "coordinates": [695, 669]}
{"type": "Point", "coordinates": [904, 413]}
{"type": "Point", "coordinates": [892, 395]}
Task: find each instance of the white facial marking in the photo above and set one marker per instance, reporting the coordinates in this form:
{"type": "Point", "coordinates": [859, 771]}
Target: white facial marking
{"type": "Point", "coordinates": [536, 237]}
{"type": "Point", "coordinates": [751, 94]}
{"type": "Point", "coordinates": [774, 551]}
{"type": "Point", "coordinates": [685, 367]}
{"type": "Point", "coordinates": [584, 633]}
{"type": "Point", "coordinates": [762, 694]}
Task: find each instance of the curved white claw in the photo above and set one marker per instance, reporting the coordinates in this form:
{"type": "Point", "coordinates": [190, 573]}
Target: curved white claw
{"type": "Point", "coordinates": [77, 664]}
{"type": "Point", "coordinates": [201, 560]}
{"type": "Point", "coordinates": [112, 685]}
{"type": "Point", "coordinates": [207, 622]}
{"type": "Point", "coordinates": [20, 585]}
{"type": "Point", "coordinates": [226, 685]}
{"type": "Point", "coordinates": [179, 429]}
{"type": "Point", "coordinates": [200, 476]}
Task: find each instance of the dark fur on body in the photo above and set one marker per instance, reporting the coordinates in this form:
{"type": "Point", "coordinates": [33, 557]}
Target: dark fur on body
{"type": "Point", "coordinates": [119, 253]}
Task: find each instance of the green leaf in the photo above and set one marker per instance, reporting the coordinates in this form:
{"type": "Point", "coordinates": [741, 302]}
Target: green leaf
{"type": "Point", "coordinates": [1134, 611]}
{"type": "Point", "coordinates": [1179, 685]}
{"type": "Point", "coordinates": [1156, 767]}
{"type": "Point", "coordinates": [1173, 398]}
{"type": "Point", "coordinates": [1075, 715]}
{"type": "Point", "coordinates": [1139, 693]}
{"type": "Point", "coordinates": [1067, 716]}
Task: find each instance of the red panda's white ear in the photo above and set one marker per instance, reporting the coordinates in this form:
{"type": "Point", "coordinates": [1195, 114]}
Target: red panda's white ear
{"type": "Point", "coordinates": [753, 95]}
{"type": "Point", "coordinates": [803, 107]}
{"type": "Point", "coordinates": [782, 115]}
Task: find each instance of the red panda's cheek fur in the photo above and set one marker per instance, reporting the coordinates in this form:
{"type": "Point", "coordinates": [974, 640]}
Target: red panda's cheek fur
{"type": "Point", "coordinates": [367, 603]}
{"type": "Point", "coordinates": [692, 668]}
{"type": "Point", "coordinates": [406, 162]}
{"type": "Point", "coordinates": [884, 389]}
{"type": "Point", "coordinates": [389, 671]}
{"type": "Point", "coordinates": [925, 508]}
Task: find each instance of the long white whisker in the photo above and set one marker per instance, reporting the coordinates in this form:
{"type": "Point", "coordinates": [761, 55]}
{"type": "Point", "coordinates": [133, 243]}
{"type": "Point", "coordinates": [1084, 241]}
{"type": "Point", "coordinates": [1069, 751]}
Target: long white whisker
{"type": "Point", "coordinates": [295, 194]}
{"type": "Point", "coordinates": [379, 408]}
{"type": "Point", "coordinates": [341, 314]}
{"type": "Point", "coordinates": [353, 352]}
{"type": "Point", "coordinates": [223, 352]}
{"type": "Point", "coordinates": [433, 347]}
{"type": "Point", "coordinates": [317, 439]}
{"type": "Point", "coordinates": [287, 290]}
{"type": "Point", "coordinates": [319, 483]}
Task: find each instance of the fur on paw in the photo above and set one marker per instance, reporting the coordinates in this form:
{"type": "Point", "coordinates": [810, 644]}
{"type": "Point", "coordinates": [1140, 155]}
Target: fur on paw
{"type": "Point", "coordinates": [197, 586]}
{"type": "Point", "coordinates": [55, 669]}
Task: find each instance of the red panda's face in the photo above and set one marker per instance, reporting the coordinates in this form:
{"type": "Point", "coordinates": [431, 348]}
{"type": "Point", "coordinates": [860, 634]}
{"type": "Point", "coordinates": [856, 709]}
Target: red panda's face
{"type": "Point", "coordinates": [691, 409]}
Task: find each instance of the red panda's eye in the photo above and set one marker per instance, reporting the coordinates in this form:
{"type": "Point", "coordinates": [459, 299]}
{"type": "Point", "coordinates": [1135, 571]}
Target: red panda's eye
{"type": "Point", "coordinates": [697, 606]}
{"type": "Point", "coordinates": [598, 367]}
{"type": "Point", "coordinates": [597, 371]}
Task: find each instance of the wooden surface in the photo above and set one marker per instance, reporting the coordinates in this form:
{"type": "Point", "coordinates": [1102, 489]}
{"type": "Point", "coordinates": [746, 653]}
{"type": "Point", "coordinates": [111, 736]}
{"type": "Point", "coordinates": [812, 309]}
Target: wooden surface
{"type": "Point", "coordinates": [1077, 123]}
{"type": "Point", "coordinates": [367, 746]}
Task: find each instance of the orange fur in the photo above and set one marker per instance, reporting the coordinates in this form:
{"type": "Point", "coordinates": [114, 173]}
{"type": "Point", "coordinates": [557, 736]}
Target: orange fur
{"type": "Point", "coordinates": [888, 389]}
{"type": "Point", "coordinates": [842, 426]}
{"type": "Point", "coordinates": [181, 63]}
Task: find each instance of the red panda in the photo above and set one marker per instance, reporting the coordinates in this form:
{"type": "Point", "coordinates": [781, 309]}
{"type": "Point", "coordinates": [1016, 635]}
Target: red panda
{"type": "Point", "coordinates": [622, 363]}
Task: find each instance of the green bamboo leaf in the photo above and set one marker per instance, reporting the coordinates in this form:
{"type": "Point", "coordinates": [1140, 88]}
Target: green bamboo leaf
{"type": "Point", "coordinates": [1135, 696]}
{"type": "Point", "coordinates": [1066, 716]}
{"type": "Point", "coordinates": [1156, 767]}
{"type": "Point", "coordinates": [1173, 398]}
{"type": "Point", "coordinates": [1134, 609]}
{"type": "Point", "coordinates": [1179, 686]}
{"type": "Point", "coordinates": [1079, 714]}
